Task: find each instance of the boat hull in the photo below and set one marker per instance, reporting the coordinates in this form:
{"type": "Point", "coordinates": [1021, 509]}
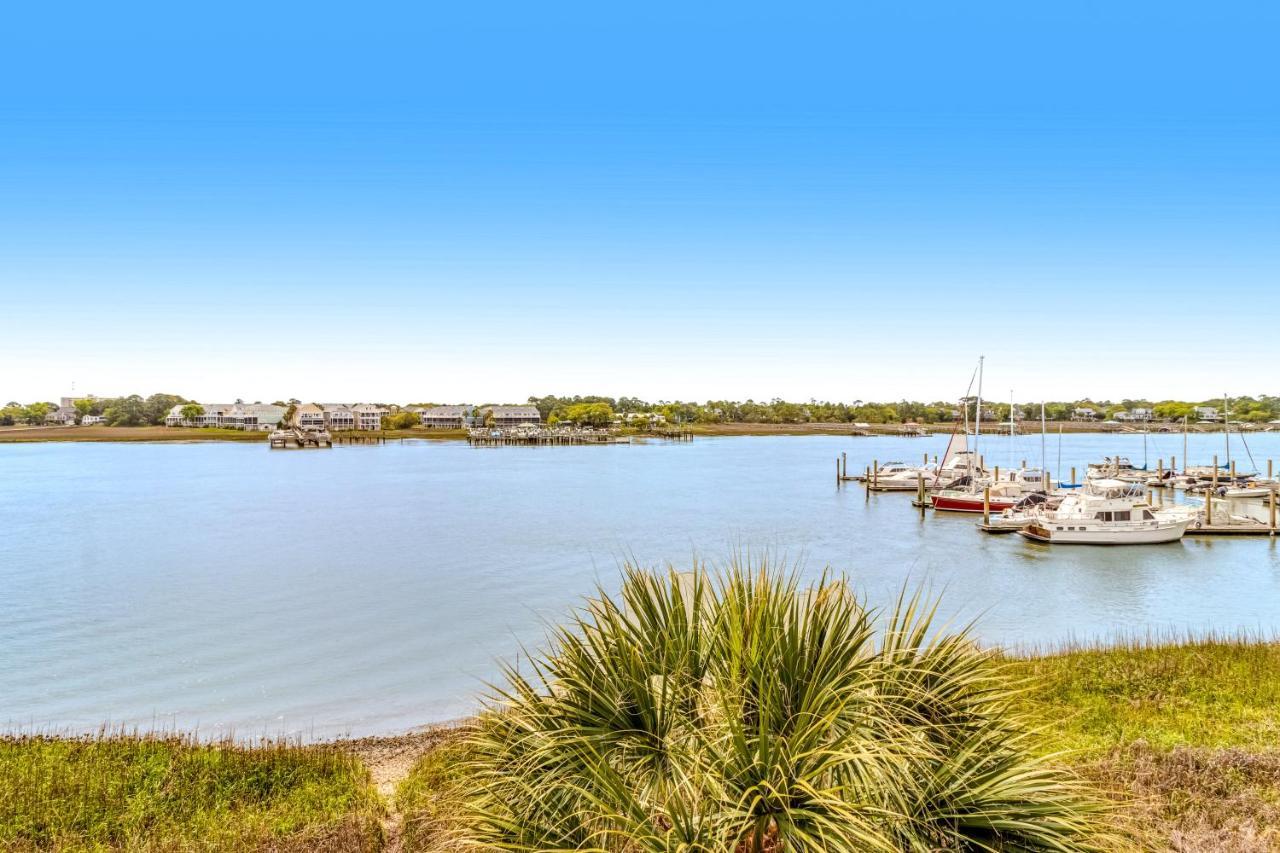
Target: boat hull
{"type": "Point", "coordinates": [1066, 533]}
{"type": "Point", "coordinates": [957, 503]}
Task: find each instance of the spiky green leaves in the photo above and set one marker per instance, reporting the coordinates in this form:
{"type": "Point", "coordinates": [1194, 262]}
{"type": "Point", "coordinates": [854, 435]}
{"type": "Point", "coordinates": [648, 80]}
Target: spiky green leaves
{"type": "Point", "coordinates": [744, 712]}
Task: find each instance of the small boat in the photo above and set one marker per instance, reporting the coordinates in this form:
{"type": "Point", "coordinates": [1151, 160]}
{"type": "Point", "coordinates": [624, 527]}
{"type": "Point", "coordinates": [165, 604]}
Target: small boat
{"type": "Point", "coordinates": [1107, 512]}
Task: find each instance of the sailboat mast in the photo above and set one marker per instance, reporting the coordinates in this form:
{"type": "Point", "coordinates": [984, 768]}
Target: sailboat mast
{"type": "Point", "coordinates": [1185, 429]}
{"type": "Point", "coordinates": [1042, 428]}
{"type": "Point", "coordinates": [977, 415]}
{"type": "Point", "coordinates": [1226, 424]}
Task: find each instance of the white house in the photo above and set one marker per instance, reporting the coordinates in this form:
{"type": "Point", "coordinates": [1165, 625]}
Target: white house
{"type": "Point", "coordinates": [369, 416]}
{"type": "Point", "coordinates": [251, 416]}
{"type": "Point", "coordinates": [1207, 414]}
{"type": "Point", "coordinates": [1084, 413]}
{"type": "Point", "coordinates": [92, 420]}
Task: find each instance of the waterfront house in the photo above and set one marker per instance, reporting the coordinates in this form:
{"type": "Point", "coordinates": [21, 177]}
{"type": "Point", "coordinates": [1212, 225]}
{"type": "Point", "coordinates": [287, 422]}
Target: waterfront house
{"type": "Point", "coordinates": [369, 416]}
{"type": "Point", "coordinates": [251, 416]}
{"type": "Point", "coordinates": [1084, 413]}
{"type": "Point", "coordinates": [644, 419]}
{"type": "Point", "coordinates": [309, 416]}
{"type": "Point", "coordinates": [92, 420]}
{"type": "Point", "coordinates": [1207, 414]}
{"type": "Point", "coordinates": [510, 416]}
{"type": "Point", "coordinates": [338, 416]}
{"type": "Point", "coordinates": [447, 417]}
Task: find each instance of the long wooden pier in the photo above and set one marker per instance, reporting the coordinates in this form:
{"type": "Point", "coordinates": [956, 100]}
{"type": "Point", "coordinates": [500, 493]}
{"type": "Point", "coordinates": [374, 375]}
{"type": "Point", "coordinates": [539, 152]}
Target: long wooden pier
{"type": "Point", "coordinates": [541, 438]}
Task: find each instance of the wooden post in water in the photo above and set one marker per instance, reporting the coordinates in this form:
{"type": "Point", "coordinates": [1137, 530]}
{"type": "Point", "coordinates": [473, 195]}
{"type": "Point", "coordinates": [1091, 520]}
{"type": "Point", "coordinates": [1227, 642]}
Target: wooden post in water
{"type": "Point", "coordinates": [1208, 508]}
{"type": "Point", "coordinates": [1215, 471]}
{"type": "Point", "coordinates": [1273, 509]}
{"type": "Point", "coordinates": [866, 482]}
{"type": "Point", "coordinates": [1233, 471]}
{"type": "Point", "coordinates": [875, 473]}
{"type": "Point", "coordinates": [1173, 464]}
{"type": "Point", "coordinates": [997, 473]}
{"type": "Point", "coordinates": [920, 491]}
{"type": "Point", "coordinates": [844, 464]}
{"type": "Point", "coordinates": [1073, 475]}
{"type": "Point", "coordinates": [986, 505]}
{"type": "Point", "coordinates": [1160, 470]}
{"type": "Point", "coordinates": [837, 470]}
{"type": "Point", "coordinates": [926, 459]}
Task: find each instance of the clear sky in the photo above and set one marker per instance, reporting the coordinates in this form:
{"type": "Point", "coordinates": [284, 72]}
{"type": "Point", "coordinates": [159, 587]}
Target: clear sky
{"type": "Point", "coordinates": [483, 201]}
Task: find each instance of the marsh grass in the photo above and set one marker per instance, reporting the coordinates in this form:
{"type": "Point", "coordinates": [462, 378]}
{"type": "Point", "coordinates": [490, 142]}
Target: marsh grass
{"type": "Point", "coordinates": [1212, 692]}
{"type": "Point", "coordinates": [118, 792]}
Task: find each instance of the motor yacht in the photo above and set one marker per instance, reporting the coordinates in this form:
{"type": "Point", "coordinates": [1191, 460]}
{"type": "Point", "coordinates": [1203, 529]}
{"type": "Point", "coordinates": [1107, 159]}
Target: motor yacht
{"type": "Point", "coordinates": [1107, 512]}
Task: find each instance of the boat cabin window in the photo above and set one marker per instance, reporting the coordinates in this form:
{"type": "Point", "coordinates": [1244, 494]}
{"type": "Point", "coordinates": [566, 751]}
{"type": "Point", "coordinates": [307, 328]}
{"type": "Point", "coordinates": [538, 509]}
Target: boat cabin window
{"type": "Point", "coordinates": [1147, 516]}
{"type": "Point", "coordinates": [1120, 515]}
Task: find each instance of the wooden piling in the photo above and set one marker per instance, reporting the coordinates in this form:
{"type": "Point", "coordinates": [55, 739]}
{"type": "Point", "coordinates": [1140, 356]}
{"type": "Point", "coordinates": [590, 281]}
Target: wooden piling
{"type": "Point", "coordinates": [844, 464]}
{"type": "Point", "coordinates": [1215, 471]}
{"type": "Point", "coordinates": [920, 492]}
{"type": "Point", "coordinates": [1233, 471]}
{"type": "Point", "coordinates": [1273, 509]}
{"type": "Point", "coordinates": [1073, 475]}
{"type": "Point", "coordinates": [986, 505]}
{"type": "Point", "coordinates": [875, 473]}
{"type": "Point", "coordinates": [997, 472]}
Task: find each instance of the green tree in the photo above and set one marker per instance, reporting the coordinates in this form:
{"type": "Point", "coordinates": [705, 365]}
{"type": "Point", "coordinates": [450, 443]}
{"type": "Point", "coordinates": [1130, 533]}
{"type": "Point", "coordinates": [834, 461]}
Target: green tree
{"type": "Point", "coordinates": [401, 420]}
{"type": "Point", "coordinates": [589, 414]}
{"type": "Point", "coordinates": [35, 413]}
{"type": "Point", "coordinates": [191, 411]}
{"type": "Point", "coordinates": [127, 411]}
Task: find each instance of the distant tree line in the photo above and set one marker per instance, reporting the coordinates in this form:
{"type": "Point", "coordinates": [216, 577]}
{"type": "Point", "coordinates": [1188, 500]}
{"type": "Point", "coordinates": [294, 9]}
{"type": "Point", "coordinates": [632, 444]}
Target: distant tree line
{"type": "Point", "coordinates": [777, 411]}
{"type": "Point", "coordinates": [134, 410]}
{"type": "Point", "coordinates": [594, 410]}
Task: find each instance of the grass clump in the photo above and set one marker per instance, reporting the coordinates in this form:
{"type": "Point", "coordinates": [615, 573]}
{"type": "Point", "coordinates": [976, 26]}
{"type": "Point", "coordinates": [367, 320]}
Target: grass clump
{"type": "Point", "coordinates": [166, 793]}
{"type": "Point", "coordinates": [744, 712]}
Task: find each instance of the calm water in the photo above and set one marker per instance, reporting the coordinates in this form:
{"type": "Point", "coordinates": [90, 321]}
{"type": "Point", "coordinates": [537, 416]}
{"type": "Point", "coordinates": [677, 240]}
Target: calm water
{"type": "Point", "coordinates": [368, 590]}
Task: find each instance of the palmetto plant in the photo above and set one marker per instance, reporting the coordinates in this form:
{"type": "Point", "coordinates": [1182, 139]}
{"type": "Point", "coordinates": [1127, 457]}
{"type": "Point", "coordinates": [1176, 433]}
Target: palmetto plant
{"type": "Point", "coordinates": [742, 711]}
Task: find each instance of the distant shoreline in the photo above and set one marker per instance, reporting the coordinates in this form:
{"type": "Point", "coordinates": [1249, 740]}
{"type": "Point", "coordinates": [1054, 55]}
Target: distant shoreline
{"type": "Point", "coordinates": [20, 435]}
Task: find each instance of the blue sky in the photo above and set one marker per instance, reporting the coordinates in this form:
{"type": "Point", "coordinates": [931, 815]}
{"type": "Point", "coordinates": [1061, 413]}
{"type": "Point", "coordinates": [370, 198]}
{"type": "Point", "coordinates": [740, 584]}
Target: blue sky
{"type": "Point", "coordinates": [488, 201]}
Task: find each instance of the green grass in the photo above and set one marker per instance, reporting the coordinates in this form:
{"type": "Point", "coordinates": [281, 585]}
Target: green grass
{"type": "Point", "coordinates": [432, 798]}
{"type": "Point", "coordinates": [1212, 693]}
{"type": "Point", "coordinates": [1186, 735]}
{"type": "Point", "coordinates": [129, 793]}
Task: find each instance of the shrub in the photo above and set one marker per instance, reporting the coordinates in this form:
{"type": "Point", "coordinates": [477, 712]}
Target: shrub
{"type": "Point", "coordinates": [744, 712]}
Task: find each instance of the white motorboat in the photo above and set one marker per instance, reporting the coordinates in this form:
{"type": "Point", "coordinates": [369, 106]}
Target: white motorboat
{"type": "Point", "coordinates": [1107, 512]}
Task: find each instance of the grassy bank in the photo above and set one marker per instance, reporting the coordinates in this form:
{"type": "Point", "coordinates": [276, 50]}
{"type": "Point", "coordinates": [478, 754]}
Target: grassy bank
{"type": "Point", "coordinates": [1185, 737]}
{"type": "Point", "coordinates": [120, 793]}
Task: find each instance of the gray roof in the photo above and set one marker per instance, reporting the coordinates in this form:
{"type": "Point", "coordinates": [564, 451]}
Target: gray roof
{"type": "Point", "coordinates": [448, 411]}
{"type": "Point", "coordinates": [514, 411]}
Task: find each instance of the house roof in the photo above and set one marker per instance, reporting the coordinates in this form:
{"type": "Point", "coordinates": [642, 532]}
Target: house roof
{"type": "Point", "coordinates": [448, 411]}
{"type": "Point", "coordinates": [514, 411]}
